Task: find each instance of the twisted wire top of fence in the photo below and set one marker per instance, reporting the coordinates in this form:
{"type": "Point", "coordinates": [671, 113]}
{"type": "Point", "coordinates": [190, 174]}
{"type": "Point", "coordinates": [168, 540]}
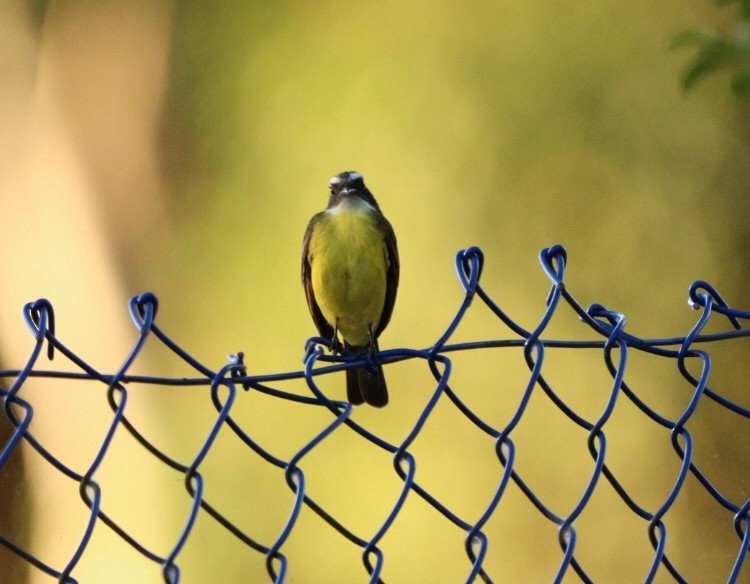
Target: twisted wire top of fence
{"type": "Point", "coordinates": [607, 328]}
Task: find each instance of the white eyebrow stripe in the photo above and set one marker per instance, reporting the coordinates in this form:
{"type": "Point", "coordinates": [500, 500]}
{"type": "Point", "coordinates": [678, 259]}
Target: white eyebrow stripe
{"type": "Point", "coordinates": [334, 181]}
{"type": "Point", "coordinates": [355, 176]}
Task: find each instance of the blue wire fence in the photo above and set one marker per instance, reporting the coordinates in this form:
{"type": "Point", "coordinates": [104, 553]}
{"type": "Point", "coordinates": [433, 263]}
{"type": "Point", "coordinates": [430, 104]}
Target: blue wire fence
{"type": "Point", "coordinates": [607, 328]}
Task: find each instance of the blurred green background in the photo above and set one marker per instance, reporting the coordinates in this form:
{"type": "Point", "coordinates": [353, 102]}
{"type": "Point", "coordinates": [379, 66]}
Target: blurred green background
{"type": "Point", "coordinates": [182, 147]}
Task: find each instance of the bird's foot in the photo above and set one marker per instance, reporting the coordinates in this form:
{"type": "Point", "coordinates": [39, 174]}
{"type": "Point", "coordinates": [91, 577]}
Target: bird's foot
{"type": "Point", "coordinates": [336, 347]}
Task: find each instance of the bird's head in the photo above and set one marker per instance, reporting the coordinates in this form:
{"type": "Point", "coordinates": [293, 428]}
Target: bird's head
{"type": "Point", "coordinates": [348, 190]}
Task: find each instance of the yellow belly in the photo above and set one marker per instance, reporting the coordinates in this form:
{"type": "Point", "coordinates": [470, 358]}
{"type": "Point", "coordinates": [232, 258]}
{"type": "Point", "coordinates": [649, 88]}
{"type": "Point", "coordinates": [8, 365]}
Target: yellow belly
{"type": "Point", "coordinates": [348, 264]}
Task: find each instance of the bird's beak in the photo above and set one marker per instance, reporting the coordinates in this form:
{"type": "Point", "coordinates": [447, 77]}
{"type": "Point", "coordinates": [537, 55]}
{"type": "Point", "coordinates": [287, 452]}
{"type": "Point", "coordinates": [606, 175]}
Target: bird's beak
{"type": "Point", "coordinates": [348, 191]}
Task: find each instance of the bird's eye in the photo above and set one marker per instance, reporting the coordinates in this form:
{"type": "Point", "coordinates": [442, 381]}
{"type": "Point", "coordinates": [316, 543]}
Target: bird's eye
{"type": "Point", "coordinates": [333, 183]}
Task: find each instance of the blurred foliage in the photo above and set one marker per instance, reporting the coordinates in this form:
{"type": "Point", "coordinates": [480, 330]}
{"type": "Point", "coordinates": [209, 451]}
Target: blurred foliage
{"type": "Point", "coordinates": [717, 51]}
{"type": "Point", "coordinates": [508, 126]}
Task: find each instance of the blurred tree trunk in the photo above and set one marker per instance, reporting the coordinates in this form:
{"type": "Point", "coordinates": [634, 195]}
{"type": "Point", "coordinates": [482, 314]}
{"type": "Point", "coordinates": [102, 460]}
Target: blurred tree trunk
{"type": "Point", "coordinates": [79, 194]}
{"type": "Point", "coordinates": [13, 520]}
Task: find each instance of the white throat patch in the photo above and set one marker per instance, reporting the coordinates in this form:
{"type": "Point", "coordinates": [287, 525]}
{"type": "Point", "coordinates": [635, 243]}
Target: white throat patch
{"type": "Point", "coordinates": [350, 204]}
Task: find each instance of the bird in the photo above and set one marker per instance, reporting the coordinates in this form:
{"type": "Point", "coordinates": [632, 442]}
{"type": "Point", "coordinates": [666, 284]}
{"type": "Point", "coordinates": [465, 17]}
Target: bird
{"type": "Point", "coordinates": [350, 272]}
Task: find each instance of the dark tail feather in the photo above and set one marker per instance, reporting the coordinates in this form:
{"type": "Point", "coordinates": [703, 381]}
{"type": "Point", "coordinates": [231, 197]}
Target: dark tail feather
{"type": "Point", "coordinates": [353, 392]}
{"type": "Point", "coordinates": [366, 384]}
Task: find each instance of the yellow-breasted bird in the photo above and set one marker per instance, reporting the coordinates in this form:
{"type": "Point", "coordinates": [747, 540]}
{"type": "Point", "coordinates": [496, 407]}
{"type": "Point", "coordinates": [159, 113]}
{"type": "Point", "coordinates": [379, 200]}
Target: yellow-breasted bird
{"type": "Point", "coordinates": [350, 273]}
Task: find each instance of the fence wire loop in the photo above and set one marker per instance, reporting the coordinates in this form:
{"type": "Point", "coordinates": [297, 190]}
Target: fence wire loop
{"type": "Point", "coordinates": [469, 264]}
{"type": "Point", "coordinates": [689, 353]}
{"type": "Point", "coordinates": [143, 311]}
{"type": "Point", "coordinates": [698, 299]}
{"type": "Point", "coordinates": [40, 318]}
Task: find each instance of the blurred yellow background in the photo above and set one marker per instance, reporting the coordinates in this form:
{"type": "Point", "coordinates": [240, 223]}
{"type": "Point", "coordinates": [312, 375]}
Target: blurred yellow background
{"type": "Point", "coordinates": [182, 147]}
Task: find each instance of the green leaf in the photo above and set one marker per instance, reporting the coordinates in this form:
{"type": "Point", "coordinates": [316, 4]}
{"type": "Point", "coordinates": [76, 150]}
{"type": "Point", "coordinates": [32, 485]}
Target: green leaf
{"type": "Point", "coordinates": [721, 51]}
{"type": "Point", "coordinates": [696, 71]}
{"type": "Point", "coordinates": [741, 83]}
